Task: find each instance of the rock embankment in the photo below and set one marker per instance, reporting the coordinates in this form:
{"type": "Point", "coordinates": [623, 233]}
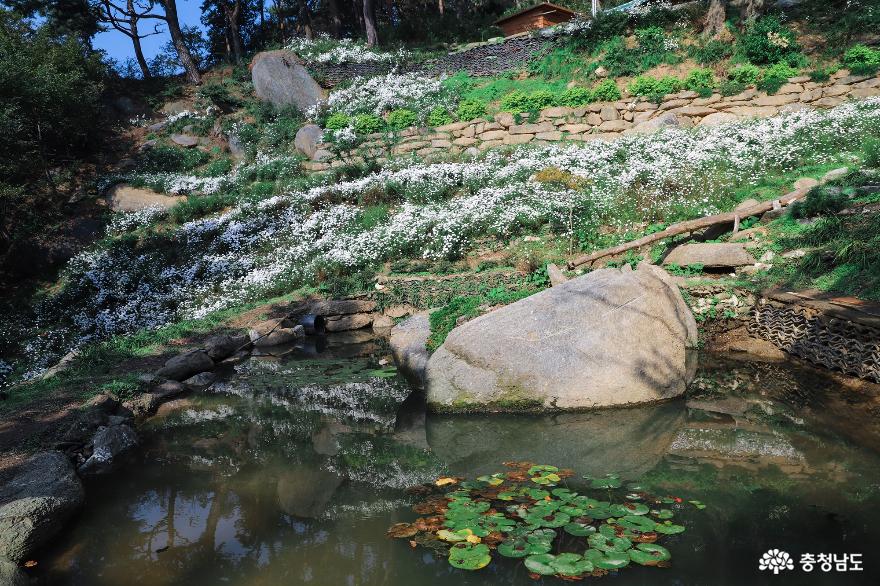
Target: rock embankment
{"type": "Point", "coordinates": [610, 338]}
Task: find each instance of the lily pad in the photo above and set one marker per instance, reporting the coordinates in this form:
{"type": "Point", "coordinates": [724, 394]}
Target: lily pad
{"type": "Point", "coordinates": [604, 543]}
{"type": "Point", "coordinates": [579, 529]}
{"type": "Point", "coordinates": [637, 523]}
{"type": "Point", "coordinates": [608, 560]}
{"type": "Point", "coordinates": [469, 556]}
{"type": "Point", "coordinates": [540, 564]}
{"type": "Point", "coordinates": [649, 554]}
{"type": "Point", "coordinates": [663, 513]}
{"type": "Point", "coordinates": [493, 480]}
{"type": "Point", "coordinates": [698, 504]}
{"type": "Point", "coordinates": [457, 536]}
{"type": "Point", "coordinates": [402, 530]}
{"type": "Point", "coordinates": [538, 494]}
{"type": "Point", "coordinates": [607, 481]}
{"type": "Point", "coordinates": [636, 508]}
{"type": "Point", "coordinates": [520, 548]}
{"type": "Point", "coordinates": [565, 564]}
{"type": "Point", "coordinates": [669, 528]}
{"type": "Point", "coordinates": [544, 519]}
{"type": "Point", "coordinates": [542, 469]}
{"type": "Point", "coordinates": [564, 494]}
{"type": "Point", "coordinates": [497, 522]}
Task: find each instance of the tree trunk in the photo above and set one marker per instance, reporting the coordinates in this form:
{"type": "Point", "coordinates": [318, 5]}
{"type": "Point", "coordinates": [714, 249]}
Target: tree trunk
{"type": "Point", "coordinates": [335, 19]}
{"type": "Point", "coordinates": [232, 15]}
{"type": "Point", "coordinates": [690, 226]}
{"type": "Point", "coordinates": [186, 58]}
{"type": "Point", "coordinates": [370, 23]}
{"type": "Point", "coordinates": [441, 7]}
{"type": "Point", "coordinates": [751, 8]}
{"type": "Point", "coordinates": [715, 18]}
{"type": "Point", "coordinates": [136, 42]}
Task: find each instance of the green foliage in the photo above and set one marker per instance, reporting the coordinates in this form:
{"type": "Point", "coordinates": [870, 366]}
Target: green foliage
{"type": "Point", "coordinates": [819, 201]}
{"type": "Point", "coordinates": [871, 148]}
{"type": "Point", "coordinates": [747, 74]}
{"type": "Point", "coordinates": [728, 87]}
{"type": "Point", "coordinates": [606, 91]}
{"type": "Point", "coordinates": [367, 123]}
{"type": "Point", "coordinates": [337, 121]}
{"type": "Point", "coordinates": [218, 167]}
{"type": "Point", "coordinates": [200, 206]}
{"type": "Point", "coordinates": [402, 118]}
{"type": "Point", "coordinates": [576, 96]}
{"type": "Point", "coordinates": [470, 109]}
{"type": "Point", "coordinates": [561, 62]}
{"type": "Point", "coordinates": [606, 25]}
{"type": "Point", "coordinates": [650, 51]}
{"type": "Point", "coordinates": [775, 76]}
{"type": "Point", "coordinates": [821, 74]}
{"type": "Point", "coordinates": [768, 41]}
{"type": "Point", "coordinates": [516, 102]}
{"type": "Point", "coordinates": [654, 89]}
{"type": "Point", "coordinates": [168, 159]}
{"type": "Point", "coordinates": [862, 60]}
{"type": "Point", "coordinates": [439, 116]}
{"type": "Point", "coordinates": [219, 95]}
{"type": "Point", "coordinates": [710, 52]}
{"type": "Point", "coordinates": [701, 81]}
{"type": "Point", "coordinates": [444, 319]}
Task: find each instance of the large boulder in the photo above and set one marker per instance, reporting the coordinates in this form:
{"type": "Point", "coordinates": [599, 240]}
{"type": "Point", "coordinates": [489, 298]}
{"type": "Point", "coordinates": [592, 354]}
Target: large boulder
{"type": "Point", "coordinates": [183, 366]}
{"type": "Point", "coordinates": [612, 337]}
{"type": "Point", "coordinates": [125, 198]}
{"type": "Point", "coordinates": [710, 255]}
{"type": "Point", "coordinates": [280, 78]}
{"type": "Point", "coordinates": [408, 343]}
{"type": "Point", "coordinates": [36, 503]}
{"type": "Point", "coordinates": [307, 139]}
{"type": "Point", "coordinates": [109, 447]}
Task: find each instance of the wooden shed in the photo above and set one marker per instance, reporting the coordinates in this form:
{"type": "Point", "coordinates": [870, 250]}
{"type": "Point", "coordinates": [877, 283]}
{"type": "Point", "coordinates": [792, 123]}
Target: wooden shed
{"type": "Point", "coordinates": [537, 17]}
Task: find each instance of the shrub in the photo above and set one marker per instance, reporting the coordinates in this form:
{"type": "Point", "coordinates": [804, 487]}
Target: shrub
{"type": "Point", "coordinates": [439, 116]}
{"type": "Point", "coordinates": [654, 89]}
{"type": "Point", "coordinates": [606, 25]}
{"type": "Point", "coordinates": [862, 60]}
{"type": "Point", "coordinates": [872, 152]}
{"type": "Point", "coordinates": [745, 74]}
{"type": "Point", "coordinates": [606, 91]}
{"type": "Point", "coordinates": [711, 52]}
{"type": "Point", "coordinates": [821, 74]}
{"type": "Point", "coordinates": [219, 95]}
{"type": "Point", "coordinates": [515, 102]}
{"type": "Point", "coordinates": [402, 118]}
{"type": "Point", "coordinates": [576, 96]}
{"type": "Point", "coordinates": [768, 41]}
{"type": "Point", "coordinates": [774, 77]}
{"type": "Point", "coordinates": [541, 99]}
{"type": "Point", "coordinates": [728, 87]}
{"type": "Point", "coordinates": [820, 201]}
{"type": "Point", "coordinates": [337, 121]}
{"type": "Point", "coordinates": [367, 123]}
{"type": "Point", "coordinates": [470, 109]}
{"type": "Point", "coordinates": [167, 159]}
{"type": "Point", "coordinates": [218, 167]}
{"type": "Point", "coordinates": [701, 81]}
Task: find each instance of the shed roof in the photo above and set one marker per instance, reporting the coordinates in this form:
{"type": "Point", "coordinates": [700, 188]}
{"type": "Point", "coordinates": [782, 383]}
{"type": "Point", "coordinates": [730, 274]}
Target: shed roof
{"type": "Point", "coordinates": [541, 6]}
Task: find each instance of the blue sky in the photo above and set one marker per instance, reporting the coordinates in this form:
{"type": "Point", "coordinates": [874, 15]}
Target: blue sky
{"type": "Point", "coordinates": [118, 46]}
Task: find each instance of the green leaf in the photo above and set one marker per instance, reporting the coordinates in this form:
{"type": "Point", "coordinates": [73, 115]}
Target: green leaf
{"type": "Point", "coordinates": [610, 560]}
{"type": "Point", "coordinates": [607, 481]}
{"type": "Point", "coordinates": [469, 556]}
{"type": "Point", "coordinates": [649, 554]}
{"type": "Point", "coordinates": [579, 529]}
{"type": "Point", "coordinates": [669, 528]}
{"type": "Point", "coordinates": [540, 564]}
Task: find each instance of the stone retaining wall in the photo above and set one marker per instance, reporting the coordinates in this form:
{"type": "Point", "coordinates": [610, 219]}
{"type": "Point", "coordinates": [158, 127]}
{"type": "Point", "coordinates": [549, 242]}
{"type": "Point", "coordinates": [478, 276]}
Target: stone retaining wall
{"type": "Point", "coordinates": [605, 121]}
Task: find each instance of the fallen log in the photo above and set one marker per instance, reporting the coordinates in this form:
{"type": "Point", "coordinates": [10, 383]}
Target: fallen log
{"type": "Point", "coordinates": [690, 226]}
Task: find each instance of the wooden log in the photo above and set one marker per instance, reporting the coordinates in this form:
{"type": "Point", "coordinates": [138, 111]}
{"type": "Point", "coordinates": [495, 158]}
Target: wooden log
{"type": "Point", "coordinates": [690, 226]}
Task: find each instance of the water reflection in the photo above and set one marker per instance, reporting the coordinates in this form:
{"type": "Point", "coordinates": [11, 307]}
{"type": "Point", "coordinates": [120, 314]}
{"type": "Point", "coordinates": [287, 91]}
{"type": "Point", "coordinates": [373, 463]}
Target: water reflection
{"type": "Point", "coordinates": [291, 470]}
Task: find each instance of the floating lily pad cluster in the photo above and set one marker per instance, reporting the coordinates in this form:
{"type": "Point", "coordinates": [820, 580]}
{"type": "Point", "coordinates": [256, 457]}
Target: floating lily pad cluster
{"type": "Point", "coordinates": [529, 513]}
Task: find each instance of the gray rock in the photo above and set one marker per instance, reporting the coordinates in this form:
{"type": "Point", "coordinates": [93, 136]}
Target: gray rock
{"type": "Point", "coordinates": [176, 107]}
{"type": "Point", "coordinates": [12, 575]}
{"type": "Point", "coordinates": [339, 307]}
{"type": "Point", "coordinates": [201, 380]}
{"type": "Point", "coordinates": [223, 345]}
{"type": "Point", "coordinates": [307, 139]}
{"type": "Point", "coordinates": [806, 183]}
{"type": "Point", "coordinates": [147, 403]}
{"type": "Point", "coordinates": [557, 277]}
{"type": "Point", "coordinates": [36, 504]}
{"type": "Point", "coordinates": [185, 140]}
{"type": "Point", "coordinates": [280, 78]}
{"type": "Point", "coordinates": [408, 343]}
{"type": "Point", "coordinates": [344, 323]}
{"type": "Point", "coordinates": [710, 255]}
{"type": "Point", "coordinates": [185, 365]}
{"type": "Point", "coordinates": [125, 198]}
{"type": "Point", "coordinates": [274, 334]}
{"type": "Point", "coordinates": [609, 338]}
{"type": "Point", "coordinates": [719, 118]}
{"type": "Point", "coordinates": [109, 446]}
{"type": "Point", "coordinates": [834, 174]}
{"type": "Point", "coordinates": [665, 120]}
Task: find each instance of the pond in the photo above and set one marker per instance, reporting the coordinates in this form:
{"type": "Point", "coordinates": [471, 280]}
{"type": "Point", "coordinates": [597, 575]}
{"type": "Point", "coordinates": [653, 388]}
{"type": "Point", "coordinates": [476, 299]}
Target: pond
{"type": "Point", "coordinates": [291, 470]}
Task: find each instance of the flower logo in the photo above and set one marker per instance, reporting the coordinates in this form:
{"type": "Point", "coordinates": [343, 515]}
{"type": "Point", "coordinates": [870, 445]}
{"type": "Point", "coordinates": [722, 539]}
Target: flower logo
{"type": "Point", "coordinates": [776, 561]}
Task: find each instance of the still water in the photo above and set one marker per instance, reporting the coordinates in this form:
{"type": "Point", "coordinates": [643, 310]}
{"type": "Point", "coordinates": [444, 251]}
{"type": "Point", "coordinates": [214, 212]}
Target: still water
{"type": "Point", "coordinates": [292, 468]}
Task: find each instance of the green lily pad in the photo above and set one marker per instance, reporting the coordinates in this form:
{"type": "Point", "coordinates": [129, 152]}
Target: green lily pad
{"type": "Point", "coordinates": [541, 535]}
{"type": "Point", "coordinates": [572, 511]}
{"type": "Point", "coordinates": [497, 522]}
{"type": "Point", "coordinates": [571, 564]}
{"type": "Point", "coordinates": [636, 508]}
{"type": "Point", "coordinates": [649, 554]}
{"type": "Point", "coordinates": [607, 481]}
{"type": "Point", "coordinates": [564, 494]}
{"type": "Point", "coordinates": [579, 529]}
{"type": "Point", "coordinates": [669, 528]}
{"type": "Point", "coordinates": [537, 494]}
{"type": "Point", "coordinates": [698, 504]}
{"type": "Point", "coordinates": [493, 480]}
{"type": "Point", "coordinates": [469, 556]}
{"type": "Point", "coordinates": [520, 547]}
{"type": "Point", "coordinates": [540, 564]}
{"type": "Point", "coordinates": [604, 543]}
{"type": "Point", "coordinates": [507, 495]}
{"type": "Point", "coordinates": [608, 531]}
{"type": "Point", "coordinates": [608, 560]}
{"type": "Point", "coordinates": [662, 513]}
{"type": "Point", "coordinates": [546, 479]}
{"type": "Point", "coordinates": [554, 519]}
{"type": "Point", "coordinates": [637, 523]}
{"type": "Point", "coordinates": [542, 469]}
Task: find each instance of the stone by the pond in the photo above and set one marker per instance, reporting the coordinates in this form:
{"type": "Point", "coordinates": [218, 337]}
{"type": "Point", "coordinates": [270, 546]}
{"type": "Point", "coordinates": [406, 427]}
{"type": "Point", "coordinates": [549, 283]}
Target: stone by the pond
{"type": "Point", "coordinates": [12, 575]}
{"type": "Point", "coordinates": [36, 504]}
{"type": "Point", "coordinates": [203, 379]}
{"type": "Point", "coordinates": [125, 198]}
{"type": "Point", "coordinates": [557, 277]}
{"type": "Point", "coordinates": [185, 365]}
{"type": "Point", "coordinates": [332, 307]}
{"type": "Point", "coordinates": [710, 255]}
{"type": "Point", "coordinates": [408, 344]}
{"type": "Point", "coordinates": [611, 337]}
{"type": "Point", "coordinates": [110, 446]}
{"type": "Point", "coordinates": [834, 174]}
{"type": "Point", "coordinates": [223, 346]}
{"type": "Point", "coordinates": [343, 323]}
{"type": "Point", "coordinates": [305, 492]}
{"type": "Point", "coordinates": [280, 78]}
{"type": "Point", "coordinates": [146, 403]}
{"type": "Point", "coordinates": [273, 333]}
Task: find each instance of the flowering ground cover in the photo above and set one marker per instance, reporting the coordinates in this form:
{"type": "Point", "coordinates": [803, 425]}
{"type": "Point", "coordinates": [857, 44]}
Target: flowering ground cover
{"type": "Point", "coordinates": [148, 272]}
